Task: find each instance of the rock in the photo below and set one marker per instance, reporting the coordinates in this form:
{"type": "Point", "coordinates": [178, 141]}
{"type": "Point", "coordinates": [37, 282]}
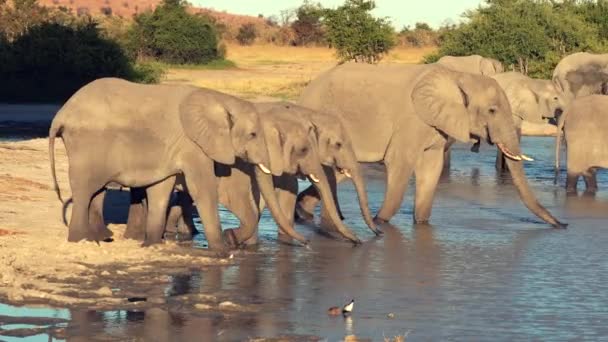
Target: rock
{"type": "Point", "coordinates": [200, 306]}
{"type": "Point", "coordinates": [104, 291]}
{"type": "Point", "coordinates": [105, 273]}
{"type": "Point", "coordinates": [391, 315]}
{"type": "Point", "coordinates": [121, 273]}
{"type": "Point", "coordinates": [227, 305]}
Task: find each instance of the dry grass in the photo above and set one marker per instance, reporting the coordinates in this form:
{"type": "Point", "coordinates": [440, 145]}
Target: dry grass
{"type": "Point", "coordinates": [274, 71]}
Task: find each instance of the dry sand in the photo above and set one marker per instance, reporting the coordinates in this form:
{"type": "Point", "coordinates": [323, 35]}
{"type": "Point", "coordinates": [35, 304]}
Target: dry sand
{"type": "Point", "coordinates": [38, 265]}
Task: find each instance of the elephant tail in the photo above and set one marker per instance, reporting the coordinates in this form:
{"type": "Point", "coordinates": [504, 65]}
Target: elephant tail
{"type": "Point", "coordinates": [55, 131]}
{"type": "Point", "coordinates": [558, 142]}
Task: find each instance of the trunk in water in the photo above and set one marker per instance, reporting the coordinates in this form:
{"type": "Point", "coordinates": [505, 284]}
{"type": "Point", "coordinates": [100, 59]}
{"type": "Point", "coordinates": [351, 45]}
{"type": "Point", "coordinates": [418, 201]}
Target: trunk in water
{"type": "Point", "coordinates": [527, 196]}
{"type": "Point", "coordinates": [267, 190]}
{"type": "Point", "coordinates": [357, 179]}
{"type": "Point", "coordinates": [558, 142]}
{"type": "Point", "coordinates": [328, 200]}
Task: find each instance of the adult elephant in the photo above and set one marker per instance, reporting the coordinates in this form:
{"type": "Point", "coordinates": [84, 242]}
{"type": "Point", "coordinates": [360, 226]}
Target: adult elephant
{"type": "Point", "coordinates": [405, 115]}
{"type": "Point", "coordinates": [474, 64]}
{"type": "Point", "coordinates": [535, 105]}
{"type": "Point", "coordinates": [581, 74]}
{"type": "Point", "coordinates": [141, 136]}
{"type": "Point", "coordinates": [293, 149]}
{"type": "Point", "coordinates": [585, 126]}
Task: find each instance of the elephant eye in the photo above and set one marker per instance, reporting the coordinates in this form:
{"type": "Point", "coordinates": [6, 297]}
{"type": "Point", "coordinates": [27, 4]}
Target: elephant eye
{"type": "Point", "coordinates": [339, 145]}
{"type": "Point", "coordinates": [253, 135]}
{"type": "Point", "coordinates": [304, 150]}
{"type": "Point", "coordinates": [555, 98]}
{"type": "Point", "coordinates": [492, 111]}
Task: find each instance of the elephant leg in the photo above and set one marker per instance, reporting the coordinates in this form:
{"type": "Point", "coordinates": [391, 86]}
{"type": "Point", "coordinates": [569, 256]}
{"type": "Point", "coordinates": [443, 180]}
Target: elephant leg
{"type": "Point", "coordinates": [96, 221]}
{"type": "Point", "coordinates": [173, 218]}
{"type": "Point", "coordinates": [590, 181]}
{"type": "Point", "coordinates": [571, 182]}
{"type": "Point", "coordinates": [202, 186]}
{"type": "Point", "coordinates": [447, 161]}
{"type": "Point", "coordinates": [333, 178]}
{"type": "Point", "coordinates": [399, 169]}
{"type": "Point", "coordinates": [307, 201]}
{"type": "Point", "coordinates": [246, 211]}
{"type": "Point", "coordinates": [185, 225]}
{"type": "Point", "coordinates": [428, 170]}
{"type": "Point", "coordinates": [83, 190]}
{"type": "Point", "coordinates": [136, 221]}
{"type": "Point", "coordinates": [158, 200]}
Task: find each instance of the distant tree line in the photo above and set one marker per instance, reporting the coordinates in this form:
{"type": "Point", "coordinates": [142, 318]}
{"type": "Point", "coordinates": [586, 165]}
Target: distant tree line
{"type": "Point", "coordinates": [529, 36]}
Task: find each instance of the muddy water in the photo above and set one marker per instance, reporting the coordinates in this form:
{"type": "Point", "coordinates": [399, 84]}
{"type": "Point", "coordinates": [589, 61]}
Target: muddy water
{"type": "Point", "coordinates": [486, 269]}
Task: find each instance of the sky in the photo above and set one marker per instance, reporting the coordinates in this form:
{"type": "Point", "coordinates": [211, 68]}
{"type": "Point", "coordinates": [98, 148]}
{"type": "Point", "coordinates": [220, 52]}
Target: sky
{"type": "Point", "coordinates": [401, 12]}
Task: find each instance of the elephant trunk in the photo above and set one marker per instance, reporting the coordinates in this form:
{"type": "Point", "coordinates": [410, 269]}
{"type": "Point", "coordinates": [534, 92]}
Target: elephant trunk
{"type": "Point", "coordinates": [527, 196]}
{"type": "Point", "coordinates": [321, 183]}
{"type": "Point", "coordinates": [357, 178]}
{"type": "Point", "coordinates": [558, 142]}
{"type": "Point", "coordinates": [266, 187]}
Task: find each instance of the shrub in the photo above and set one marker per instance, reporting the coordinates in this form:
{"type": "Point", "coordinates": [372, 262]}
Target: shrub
{"type": "Point", "coordinates": [170, 34]}
{"type": "Point", "coordinates": [307, 26]}
{"type": "Point", "coordinates": [247, 34]}
{"type": "Point", "coordinates": [356, 34]}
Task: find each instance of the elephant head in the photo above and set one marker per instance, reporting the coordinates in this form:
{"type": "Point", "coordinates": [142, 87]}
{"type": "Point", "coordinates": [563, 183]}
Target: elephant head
{"type": "Point", "coordinates": [465, 106]}
{"type": "Point", "coordinates": [224, 127]}
{"type": "Point", "coordinates": [551, 102]}
{"type": "Point", "coordinates": [293, 148]}
{"type": "Point", "coordinates": [490, 66]}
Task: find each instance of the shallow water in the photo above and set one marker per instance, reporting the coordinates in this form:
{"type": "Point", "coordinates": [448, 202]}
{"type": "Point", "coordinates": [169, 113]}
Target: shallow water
{"type": "Point", "coordinates": [486, 269]}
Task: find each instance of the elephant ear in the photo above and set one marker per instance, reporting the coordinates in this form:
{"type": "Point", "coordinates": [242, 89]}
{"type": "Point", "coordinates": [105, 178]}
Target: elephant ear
{"type": "Point", "coordinates": [207, 122]}
{"type": "Point", "coordinates": [441, 102]}
{"type": "Point", "coordinates": [274, 143]}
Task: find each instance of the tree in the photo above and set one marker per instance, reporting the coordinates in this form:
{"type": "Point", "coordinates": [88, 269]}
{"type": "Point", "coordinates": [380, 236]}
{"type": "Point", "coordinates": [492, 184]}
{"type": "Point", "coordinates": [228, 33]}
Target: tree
{"type": "Point", "coordinates": [307, 27]}
{"type": "Point", "coordinates": [173, 35]}
{"type": "Point", "coordinates": [531, 35]}
{"type": "Point", "coordinates": [356, 34]}
{"type": "Point", "coordinates": [247, 34]}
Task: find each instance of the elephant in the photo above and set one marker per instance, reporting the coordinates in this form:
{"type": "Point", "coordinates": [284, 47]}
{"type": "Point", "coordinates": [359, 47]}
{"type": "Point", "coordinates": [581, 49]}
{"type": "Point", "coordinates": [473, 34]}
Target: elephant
{"type": "Point", "coordinates": [581, 74]}
{"type": "Point", "coordinates": [294, 149]}
{"type": "Point", "coordinates": [474, 64]}
{"type": "Point", "coordinates": [142, 136]}
{"type": "Point", "coordinates": [534, 103]}
{"type": "Point", "coordinates": [406, 115]}
{"type": "Point", "coordinates": [585, 127]}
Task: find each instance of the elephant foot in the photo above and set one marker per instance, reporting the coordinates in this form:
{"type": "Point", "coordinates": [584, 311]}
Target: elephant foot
{"type": "Point", "coordinates": [571, 192]}
{"type": "Point", "coordinates": [380, 221]}
{"type": "Point", "coordinates": [590, 192]}
{"type": "Point", "coordinates": [104, 234]}
{"type": "Point", "coordinates": [151, 242]}
{"type": "Point", "coordinates": [421, 221]}
{"type": "Point", "coordinates": [76, 235]}
{"type": "Point", "coordinates": [134, 235]}
{"type": "Point", "coordinates": [230, 236]}
{"type": "Point", "coordinates": [301, 215]}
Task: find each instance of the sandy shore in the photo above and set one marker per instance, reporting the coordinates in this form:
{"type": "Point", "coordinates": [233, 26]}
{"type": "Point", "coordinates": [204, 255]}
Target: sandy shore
{"type": "Point", "coordinates": [37, 263]}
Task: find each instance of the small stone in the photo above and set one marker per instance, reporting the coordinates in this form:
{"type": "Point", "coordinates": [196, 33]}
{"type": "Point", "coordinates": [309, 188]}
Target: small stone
{"type": "Point", "coordinates": [121, 273]}
{"type": "Point", "coordinates": [104, 291]}
{"type": "Point", "coordinates": [227, 305]}
{"type": "Point", "coordinates": [203, 307]}
{"type": "Point", "coordinates": [15, 297]}
{"type": "Point", "coordinates": [391, 315]}
{"type": "Point", "coordinates": [105, 273]}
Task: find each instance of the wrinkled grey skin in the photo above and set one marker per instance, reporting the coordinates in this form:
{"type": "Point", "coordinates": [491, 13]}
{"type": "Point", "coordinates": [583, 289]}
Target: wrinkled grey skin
{"type": "Point", "coordinates": [294, 152]}
{"type": "Point", "coordinates": [337, 155]}
{"type": "Point", "coordinates": [474, 64]}
{"type": "Point", "coordinates": [141, 136]}
{"type": "Point", "coordinates": [532, 100]}
{"type": "Point", "coordinates": [585, 126]}
{"type": "Point", "coordinates": [405, 115]}
{"type": "Point", "coordinates": [581, 74]}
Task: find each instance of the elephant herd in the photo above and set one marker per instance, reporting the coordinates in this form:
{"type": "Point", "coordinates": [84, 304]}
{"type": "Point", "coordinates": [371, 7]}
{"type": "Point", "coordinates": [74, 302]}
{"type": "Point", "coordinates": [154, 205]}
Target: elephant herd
{"type": "Point", "coordinates": [207, 148]}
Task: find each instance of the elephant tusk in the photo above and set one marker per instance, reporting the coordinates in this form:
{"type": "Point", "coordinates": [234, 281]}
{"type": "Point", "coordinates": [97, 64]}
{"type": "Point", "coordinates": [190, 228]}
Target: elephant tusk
{"type": "Point", "coordinates": [525, 157]}
{"type": "Point", "coordinates": [508, 153]}
{"type": "Point", "coordinates": [314, 178]}
{"type": "Point", "coordinates": [347, 173]}
{"type": "Point", "coordinates": [264, 168]}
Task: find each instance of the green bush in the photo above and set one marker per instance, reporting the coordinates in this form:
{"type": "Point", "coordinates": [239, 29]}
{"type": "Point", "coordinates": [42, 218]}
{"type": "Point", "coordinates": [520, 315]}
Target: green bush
{"type": "Point", "coordinates": [307, 27]}
{"type": "Point", "coordinates": [356, 34]}
{"type": "Point", "coordinates": [50, 61]}
{"type": "Point", "coordinates": [247, 34]}
{"type": "Point", "coordinates": [531, 36]}
{"type": "Point", "coordinates": [172, 35]}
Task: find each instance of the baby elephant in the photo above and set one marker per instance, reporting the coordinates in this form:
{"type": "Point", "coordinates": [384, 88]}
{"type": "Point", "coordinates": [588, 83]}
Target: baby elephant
{"type": "Point", "coordinates": [585, 125]}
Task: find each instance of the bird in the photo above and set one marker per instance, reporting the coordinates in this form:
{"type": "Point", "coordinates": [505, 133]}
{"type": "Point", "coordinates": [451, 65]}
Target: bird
{"type": "Point", "coordinates": [346, 309]}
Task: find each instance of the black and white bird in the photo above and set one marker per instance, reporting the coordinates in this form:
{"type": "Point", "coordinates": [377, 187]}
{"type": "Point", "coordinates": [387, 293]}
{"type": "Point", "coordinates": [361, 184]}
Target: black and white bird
{"type": "Point", "coordinates": [346, 309]}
